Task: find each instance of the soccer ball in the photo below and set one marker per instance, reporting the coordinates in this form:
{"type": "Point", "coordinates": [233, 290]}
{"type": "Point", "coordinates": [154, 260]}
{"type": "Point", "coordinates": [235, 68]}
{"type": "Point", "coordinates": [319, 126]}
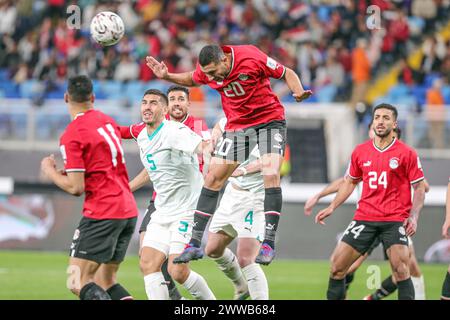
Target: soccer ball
{"type": "Point", "coordinates": [107, 28]}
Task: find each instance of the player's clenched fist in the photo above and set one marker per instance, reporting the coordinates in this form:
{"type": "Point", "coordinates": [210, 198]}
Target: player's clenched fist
{"type": "Point", "coordinates": [48, 164]}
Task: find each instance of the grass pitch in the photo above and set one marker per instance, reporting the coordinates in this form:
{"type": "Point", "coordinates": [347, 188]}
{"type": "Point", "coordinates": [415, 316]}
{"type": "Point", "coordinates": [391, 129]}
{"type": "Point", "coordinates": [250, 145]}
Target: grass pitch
{"type": "Point", "coordinates": [40, 275]}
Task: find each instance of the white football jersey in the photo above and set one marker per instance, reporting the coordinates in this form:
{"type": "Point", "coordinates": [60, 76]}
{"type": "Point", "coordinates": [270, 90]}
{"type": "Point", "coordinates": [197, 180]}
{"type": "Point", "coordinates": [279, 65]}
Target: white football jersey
{"type": "Point", "coordinates": [169, 157]}
{"type": "Point", "coordinates": [254, 181]}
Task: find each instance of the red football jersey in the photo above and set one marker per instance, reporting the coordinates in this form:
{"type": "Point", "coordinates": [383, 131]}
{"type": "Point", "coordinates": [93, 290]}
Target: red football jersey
{"type": "Point", "coordinates": [91, 144]}
{"type": "Point", "coordinates": [197, 125]}
{"type": "Point", "coordinates": [247, 97]}
{"type": "Point", "coordinates": [387, 176]}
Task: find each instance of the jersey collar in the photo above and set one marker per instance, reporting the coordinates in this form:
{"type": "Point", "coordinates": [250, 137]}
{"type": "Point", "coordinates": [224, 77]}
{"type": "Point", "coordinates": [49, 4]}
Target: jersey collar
{"type": "Point", "coordinates": [151, 136]}
{"type": "Point", "coordinates": [385, 149]}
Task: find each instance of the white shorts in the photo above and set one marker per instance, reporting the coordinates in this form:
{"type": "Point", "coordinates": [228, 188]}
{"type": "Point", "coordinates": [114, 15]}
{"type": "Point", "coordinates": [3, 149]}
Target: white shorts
{"type": "Point", "coordinates": [171, 237]}
{"type": "Point", "coordinates": [240, 214]}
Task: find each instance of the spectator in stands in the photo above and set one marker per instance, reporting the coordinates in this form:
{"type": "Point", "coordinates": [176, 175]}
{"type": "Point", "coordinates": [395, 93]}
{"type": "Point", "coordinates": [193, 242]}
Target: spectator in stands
{"type": "Point", "coordinates": [436, 115]}
{"type": "Point", "coordinates": [127, 69]}
{"type": "Point", "coordinates": [360, 72]}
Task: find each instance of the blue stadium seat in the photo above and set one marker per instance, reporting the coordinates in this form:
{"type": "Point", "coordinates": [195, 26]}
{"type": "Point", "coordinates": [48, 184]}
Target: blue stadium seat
{"type": "Point", "coordinates": [112, 89]}
{"type": "Point", "coordinates": [134, 91]}
{"type": "Point", "coordinates": [27, 89]}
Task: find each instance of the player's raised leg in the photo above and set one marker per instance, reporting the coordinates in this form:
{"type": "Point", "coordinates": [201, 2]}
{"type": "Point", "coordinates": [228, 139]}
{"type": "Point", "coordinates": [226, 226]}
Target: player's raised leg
{"type": "Point", "coordinates": [271, 142]}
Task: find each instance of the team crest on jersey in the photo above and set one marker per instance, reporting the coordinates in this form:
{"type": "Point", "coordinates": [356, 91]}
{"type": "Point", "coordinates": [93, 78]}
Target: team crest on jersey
{"type": "Point", "coordinates": [394, 163]}
{"type": "Point", "coordinates": [401, 230]}
{"type": "Point", "coordinates": [243, 76]}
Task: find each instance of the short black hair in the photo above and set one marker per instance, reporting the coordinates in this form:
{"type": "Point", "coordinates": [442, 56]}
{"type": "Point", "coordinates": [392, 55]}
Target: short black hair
{"type": "Point", "coordinates": [210, 53]}
{"type": "Point", "coordinates": [178, 88]}
{"type": "Point", "coordinates": [80, 88]}
{"type": "Point", "coordinates": [386, 106]}
{"type": "Point", "coordinates": [398, 131]}
{"type": "Point", "coordinates": [157, 93]}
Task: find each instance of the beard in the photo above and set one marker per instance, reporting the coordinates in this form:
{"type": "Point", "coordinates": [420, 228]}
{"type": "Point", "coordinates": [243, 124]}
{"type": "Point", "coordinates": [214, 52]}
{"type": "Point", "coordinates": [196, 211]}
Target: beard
{"type": "Point", "coordinates": [383, 134]}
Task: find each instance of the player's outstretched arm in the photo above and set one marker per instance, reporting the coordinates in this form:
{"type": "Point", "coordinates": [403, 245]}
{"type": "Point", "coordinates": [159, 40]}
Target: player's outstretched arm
{"type": "Point", "coordinates": [333, 187]}
{"type": "Point", "coordinates": [139, 181]}
{"type": "Point", "coordinates": [72, 182]}
{"type": "Point", "coordinates": [345, 190]}
{"type": "Point", "coordinates": [446, 226]}
{"type": "Point", "coordinates": [417, 205]}
{"type": "Point", "coordinates": [294, 83]}
{"type": "Point", "coordinates": [161, 72]}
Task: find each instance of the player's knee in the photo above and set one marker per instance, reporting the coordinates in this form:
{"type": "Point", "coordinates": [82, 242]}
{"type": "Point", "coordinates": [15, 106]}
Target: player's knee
{"type": "Point", "coordinates": [178, 272]}
{"type": "Point", "coordinates": [245, 261]}
{"type": "Point", "coordinates": [401, 271]}
{"type": "Point", "coordinates": [147, 265]}
{"type": "Point", "coordinates": [213, 181]}
{"type": "Point", "coordinates": [337, 272]}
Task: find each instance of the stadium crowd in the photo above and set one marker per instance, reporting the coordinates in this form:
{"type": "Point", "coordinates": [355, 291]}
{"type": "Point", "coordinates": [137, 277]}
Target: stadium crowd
{"type": "Point", "coordinates": [326, 42]}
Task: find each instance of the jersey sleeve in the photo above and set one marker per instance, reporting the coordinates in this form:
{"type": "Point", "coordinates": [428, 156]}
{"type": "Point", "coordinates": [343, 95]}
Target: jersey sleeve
{"type": "Point", "coordinates": [125, 132]}
{"type": "Point", "coordinates": [270, 66]}
{"type": "Point", "coordinates": [72, 153]}
{"type": "Point", "coordinates": [184, 139]}
{"type": "Point", "coordinates": [354, 170]}
{"type": "Point", "coordinates": [198, 76]}
{"type": "Point", "coordinates": [414, 168]}
{"type": "Point", "coordinates": [131, 132]}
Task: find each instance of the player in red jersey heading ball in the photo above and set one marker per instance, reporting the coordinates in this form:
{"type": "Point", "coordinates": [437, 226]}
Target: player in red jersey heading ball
{"type": "Point", "coordinates": [254, 116]}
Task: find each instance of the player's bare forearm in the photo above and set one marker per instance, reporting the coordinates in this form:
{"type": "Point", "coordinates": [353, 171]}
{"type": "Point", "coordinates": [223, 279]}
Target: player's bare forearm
{"type": "Point", "coordinates": [139, 181]}
{"type": "Point", "coordinates": [72, 183]}
{"type": "Point", "coordinates": [295, 85]}
{"type": "Point", "coordinates": [183, 79]}
{"type": "Point", "coordinates": [418, 199]}
{"type": "Point", "coordinates": [333, 187]}
{"type": "Point", "coordinates": [345, 190]}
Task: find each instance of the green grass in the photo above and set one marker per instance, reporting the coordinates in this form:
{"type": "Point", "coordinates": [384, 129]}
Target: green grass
{"type": "Point", "coordinates": [42, 275]}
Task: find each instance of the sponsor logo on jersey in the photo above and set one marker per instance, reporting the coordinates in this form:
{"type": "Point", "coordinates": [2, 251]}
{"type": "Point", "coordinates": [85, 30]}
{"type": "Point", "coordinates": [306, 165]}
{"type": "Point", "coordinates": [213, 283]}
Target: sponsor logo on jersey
{"type": "Point", "coordinates": [76, 234]}
{"type": "Point", "coordinates": [402, 231]}
{"type": "Point", "coordinates": [243, 76]}
{"type": "Point", "coordinates": [393, 163]}
{"type": "Point", "coordinates": [367, 163]}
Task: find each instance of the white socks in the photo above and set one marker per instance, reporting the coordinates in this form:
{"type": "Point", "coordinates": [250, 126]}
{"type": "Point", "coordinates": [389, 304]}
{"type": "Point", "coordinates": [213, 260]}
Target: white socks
{"type": "Point", "coordinates": [197, 287]}
{"type": "Point", "coordinates": [229, 265]}
{"type": "Point", "coordinates": [419, 287]}
{"type": "Point", "coordinates": [156, 286]}
{"type": "Point", "coordinates": [257, 282]}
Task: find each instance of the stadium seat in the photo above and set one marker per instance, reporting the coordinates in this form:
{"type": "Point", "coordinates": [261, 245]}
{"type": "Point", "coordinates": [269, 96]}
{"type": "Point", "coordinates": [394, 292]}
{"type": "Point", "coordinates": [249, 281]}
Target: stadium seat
{"type": "Point", "coordinates": [112, 89]}
{"type": "Point", "coordinates": [326, 93]}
